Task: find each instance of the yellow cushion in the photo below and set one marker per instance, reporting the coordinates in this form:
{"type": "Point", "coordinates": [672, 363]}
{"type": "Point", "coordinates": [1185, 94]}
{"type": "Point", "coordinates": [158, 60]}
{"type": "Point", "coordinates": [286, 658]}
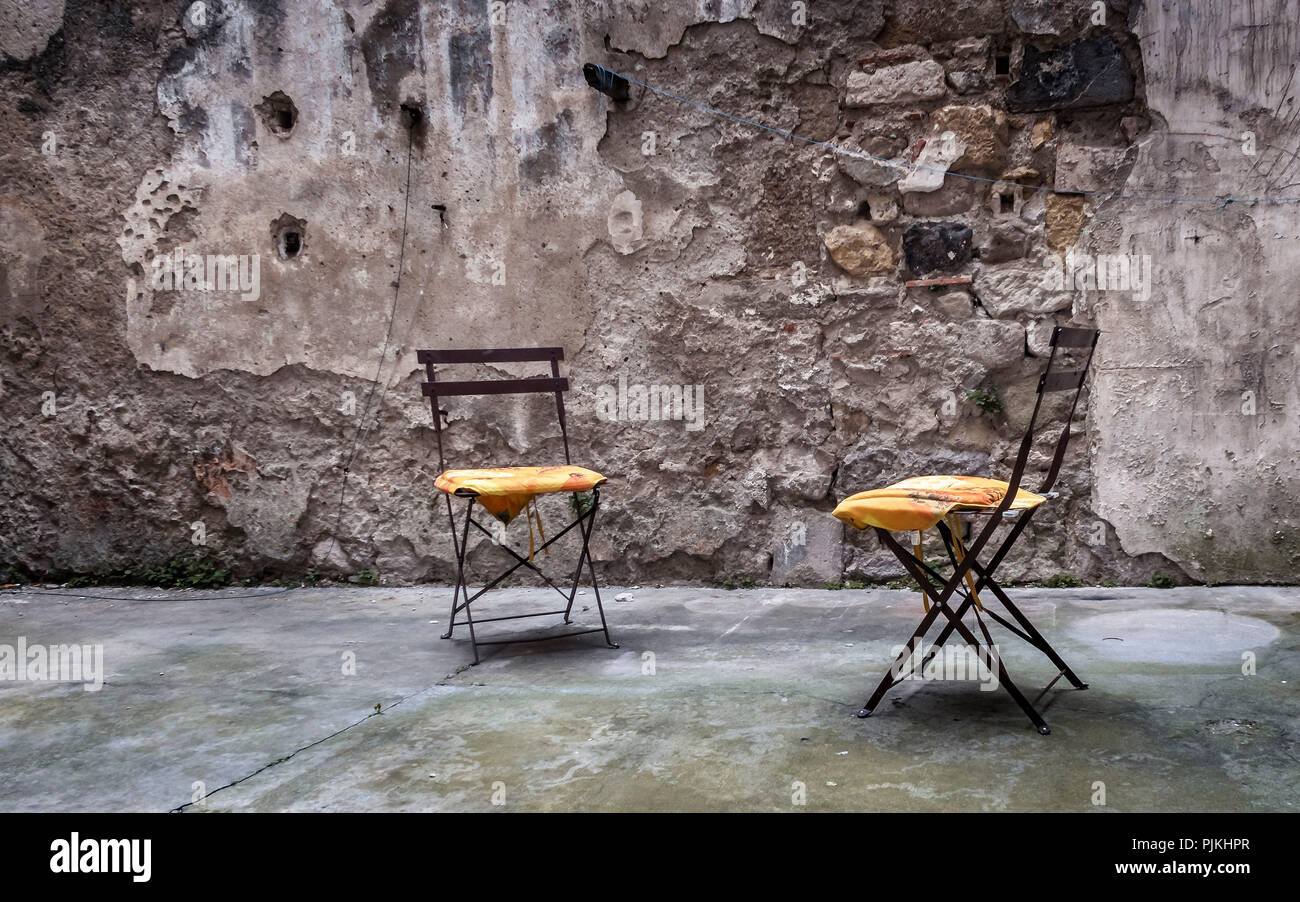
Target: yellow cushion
{"type": "Point", "coordinates": [505, 491]}
{"type": "Point", "coordinates": [922, 501]}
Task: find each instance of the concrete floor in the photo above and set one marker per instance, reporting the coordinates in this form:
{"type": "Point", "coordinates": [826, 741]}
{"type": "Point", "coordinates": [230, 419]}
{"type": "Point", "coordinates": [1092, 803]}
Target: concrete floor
{"type": "Point", "coordinates": [751, 696]}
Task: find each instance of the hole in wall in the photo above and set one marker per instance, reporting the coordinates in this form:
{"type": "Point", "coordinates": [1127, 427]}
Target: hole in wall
{"type": "Point", "coordinates": [413, 120]}
{"type": "Point", "coordinates": [1002, 65]}
{"type": "Point", "coordinates": [411, 114]}
{"type": "Point", "coordinates": [289, 236]}
{"type": "Point", "coordinates": [278, 113]}
{"type": "Point", "coordinates": [864, 210]}
{"type": "Point", "coordinates": [1006, 202]}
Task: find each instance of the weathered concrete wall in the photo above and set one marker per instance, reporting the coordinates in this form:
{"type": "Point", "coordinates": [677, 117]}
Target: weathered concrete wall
{"type": "Point", "coordinates": [661, 247]}
{"type": "Point", "coordinates": [1197, 409]}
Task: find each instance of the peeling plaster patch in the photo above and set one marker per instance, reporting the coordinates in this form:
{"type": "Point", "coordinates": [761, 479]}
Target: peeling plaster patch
{"type": "Point", "coordinates": [211, 466]}
{"type": "Point", "coordinates": [278, 113]}
{"type": "Point", "coordinates": [649, 27]}
{"type": "Point", "coordinates": [289, 236]}
{"type": "Point", "coordinates": [625, 230]}
{"type": "Point", "coordinates": [1183, 436]}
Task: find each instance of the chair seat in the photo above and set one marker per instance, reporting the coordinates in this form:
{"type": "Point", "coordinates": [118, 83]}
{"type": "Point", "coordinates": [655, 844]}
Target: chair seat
{"type": "Point", "coordinates": [505, 491]}
{"type": "Point", "coordinates": [922, 501]}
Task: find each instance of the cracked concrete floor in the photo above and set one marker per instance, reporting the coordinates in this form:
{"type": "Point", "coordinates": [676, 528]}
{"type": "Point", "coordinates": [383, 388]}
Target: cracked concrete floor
{"type": "Point", "coordinates": [716, 700]}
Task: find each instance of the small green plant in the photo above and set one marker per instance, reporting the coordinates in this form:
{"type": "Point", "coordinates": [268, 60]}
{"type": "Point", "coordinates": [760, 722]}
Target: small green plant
{"type": "Point", "coordinates": [177, 573]}
{"type": "Point", "coordinates": [364, 578]}
{"type": "Point", "coordinates": [14, 574]}
{"type": "Point", "coordinates": [1062, 581]}
{"type": "Point", "coordinates": [986, 399]}
{"type": "Point", "coordinates": [731, 583]}
{"type": "Point", "coordinates": [841, 584]}
{"type": "Point", "coordinates": [902, 583]}
{"type": "Point", "coordinates": [1161, 580]}
{"type": "Point", "coordinates": [580, 503]}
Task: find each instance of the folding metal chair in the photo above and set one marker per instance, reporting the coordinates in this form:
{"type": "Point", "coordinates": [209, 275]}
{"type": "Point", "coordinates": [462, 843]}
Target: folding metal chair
{"type": "Point", "coordinates": [919, 503]}
{"type": "Point", "coordinates": [505, 492]}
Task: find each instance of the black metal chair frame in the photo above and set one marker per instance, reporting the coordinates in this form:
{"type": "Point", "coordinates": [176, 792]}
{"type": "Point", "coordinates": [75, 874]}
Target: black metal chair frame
{"type": "Point", "coordinates": [586, 518]}
{"type": "Point", "coordinates": [966, 560]}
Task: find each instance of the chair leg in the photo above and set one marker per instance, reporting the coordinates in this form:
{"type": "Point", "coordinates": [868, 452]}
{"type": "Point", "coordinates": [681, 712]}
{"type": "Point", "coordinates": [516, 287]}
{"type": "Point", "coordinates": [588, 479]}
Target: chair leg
{"type": "Point", "coordinates": [464, 551]}
{"type": "Point", "coordinates": [1004, 680]}
{"type": "Point", "coordinates": [890, 678]}
{"type": "Point", "coordinates": [940, 601]}
{"type": "Point", "coordinates": [985, 579]}
{"type": "Point", "coordinates": [591, 566]}
{"type": "Point", "coordinates": [1035, 638]}
{"type": "Point", "coordinates": [460, 569]}
{"type": "Point", "coordinates": [1039, 640]}
{"type": "Point", "coordinates": [940, 606]}
{"type": "Point", "coordinates": [584, 524]}
{"type": "Point", "coordinates": [584, 531]}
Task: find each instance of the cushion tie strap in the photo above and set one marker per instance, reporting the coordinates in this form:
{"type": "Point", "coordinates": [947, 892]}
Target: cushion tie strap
{"type": "Point", "coordinates": [918, 553]}
{"type": "Point", "coordinates": [955, 527]}
{"type": "Point", "coordinates": [533, 513]}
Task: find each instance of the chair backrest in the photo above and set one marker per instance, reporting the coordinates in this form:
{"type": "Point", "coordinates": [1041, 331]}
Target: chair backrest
{"type": "Point", "coordinates": [1053, 380]}
{"type": "Point", "coordinates": [1062, 337]}
{"type": "Point", "coordinates": [433, 389]}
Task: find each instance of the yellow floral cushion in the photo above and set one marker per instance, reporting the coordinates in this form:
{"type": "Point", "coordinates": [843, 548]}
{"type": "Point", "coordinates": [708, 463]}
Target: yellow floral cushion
{"type": "Point", "coordinates": [505, 491]}
{"type": "Point", "coordinates": [922, 501]}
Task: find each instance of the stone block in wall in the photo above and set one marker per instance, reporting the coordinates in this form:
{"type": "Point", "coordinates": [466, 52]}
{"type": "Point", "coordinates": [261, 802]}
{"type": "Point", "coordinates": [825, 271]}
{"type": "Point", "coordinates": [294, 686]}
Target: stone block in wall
{"type": "Point", "coordinates": [937, 246]}
{"type": "Point", "coordinates": [952, 305]}
{"type": "Point", "coordinates": [28, 27]}
{"type": "Point", "coordinates": [1048, 16]}
{"type": "Point", "coordinates": [1090, 72]}
{"type": "Point", "coordinates": [971, 51]}
{"type": "Point", "coordinates": [797, 471]}
{"type": "Point", "coordinates": [956, 196]}
{"type": "Point", "coordinates": [860, 250]}
{"type": "Point", "coordinates": [994, 343]}
{"type": "Point", "coordinates": [877, 564]}
{"type": "Point", "coordinates": [1043, 130]}
{"type": "Point", "coordinates": [931, 165]}
{"type": "Point", "coordinates": [1038, 336]}
{"type": "Point", "coordinates": [969, 81]}
{"type": "Point", "coordinates": [926, 23]}
{"type": "Point", "coordinates": [883, 207]}
{"type": "Point", "coordinates": [1007, 196]}
{"type": "Point", "coordinates": [1006, 240]}
{"type": "Point", "coordinates": [1080, 168]}
{"type": "Point", "coordinates": [905, 83]}
{"type": "Point", "coordinates": [809, 550]}
{"type": "Point", "coordinates": [983, 132]}
{"type": "Point", "coordinates": [1064, 218]}
{"type": "Point", "coordinates": [1019, 288]}
{"type": "Point", "coordinates": [868, 172]}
